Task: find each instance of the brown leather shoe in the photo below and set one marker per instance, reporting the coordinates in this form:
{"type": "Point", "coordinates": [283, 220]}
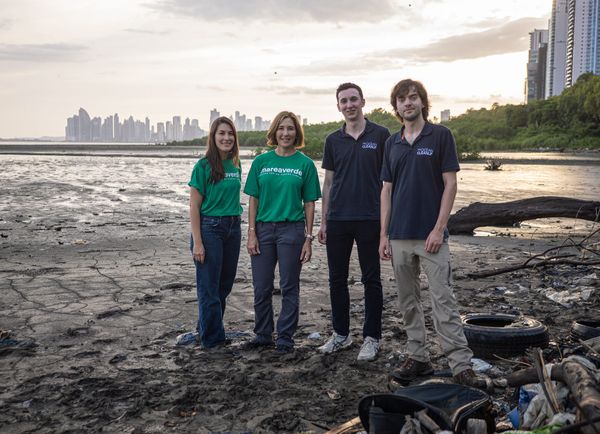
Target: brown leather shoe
{"type": "Point", "coordinates": [412, 369]}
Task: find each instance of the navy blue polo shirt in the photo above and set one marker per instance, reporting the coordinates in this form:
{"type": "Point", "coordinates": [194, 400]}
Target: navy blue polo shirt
{"type": "Point", "coordinates": [416, 176]}
{"type": "Point", "coordinates": [356, 187]}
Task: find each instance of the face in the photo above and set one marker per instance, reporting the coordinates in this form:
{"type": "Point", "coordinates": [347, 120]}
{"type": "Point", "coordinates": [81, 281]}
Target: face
{"type": "Point", "coordinates": [286, 134]}
{"type": "Point", "coordinates": [350, 104]}
{"type": "Point", "coordinates": [409, 106]}
{"type": "Point", "coordinates": [224, 139]}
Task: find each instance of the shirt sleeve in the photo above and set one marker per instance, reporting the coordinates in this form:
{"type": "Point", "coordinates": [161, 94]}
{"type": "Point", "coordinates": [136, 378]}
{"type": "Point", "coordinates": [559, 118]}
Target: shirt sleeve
{"type": "Point", "coordinates": [311, 189]}
{"type": "Point", "coordinates": [251, 188]}
{"type": "Point", "coordinates": [449, 154]}
{"type": "Point", "coordinates": [199, 177]}
{"type": "Point", "coordinates": [327, 163]}
{"type": "Point", "coordinates": [386, 172]}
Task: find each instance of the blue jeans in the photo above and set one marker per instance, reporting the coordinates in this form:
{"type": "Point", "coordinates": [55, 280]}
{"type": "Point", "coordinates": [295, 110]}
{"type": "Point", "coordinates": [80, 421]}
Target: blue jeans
{"type": "Point", "coordinates": [221, 237]}
{"type": "Point", "coordinates": [341, 236]}
{"type": "Point", "coordinates": [278, 242]}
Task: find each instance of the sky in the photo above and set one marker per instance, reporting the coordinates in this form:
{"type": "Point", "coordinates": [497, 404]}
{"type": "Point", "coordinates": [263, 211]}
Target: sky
{"type": "Point", "coordinates": [160, 58]}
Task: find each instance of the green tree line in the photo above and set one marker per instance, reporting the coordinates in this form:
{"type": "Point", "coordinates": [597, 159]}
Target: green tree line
{"type": "Point", "coordinates": [570, 120]}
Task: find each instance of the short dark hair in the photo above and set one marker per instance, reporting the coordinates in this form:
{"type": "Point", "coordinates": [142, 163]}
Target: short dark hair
{"type": "Point", "coordinates": [345, 86]}
{"type": "Point", "coordinates": [402, 88]}
{"type": "Point", "coordinates": [272, 133]}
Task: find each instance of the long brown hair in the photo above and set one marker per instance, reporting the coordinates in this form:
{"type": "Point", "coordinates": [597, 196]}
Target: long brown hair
{"type": "Point", "coordinates": [217, 172]}
{"type": "Point", "coordinates": [272, 133]}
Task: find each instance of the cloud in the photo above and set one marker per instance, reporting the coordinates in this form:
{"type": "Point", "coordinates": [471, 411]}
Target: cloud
{"type": "Point", "coordinates": [291, 11]}
{"type": "Point", "coordinates": [294, 90]}
{"type": "Point", "coordinates": [41, 52]}
{"type": "Point", "coordinates": [503, 38]}
{"type": "Point", "coordinates": [5, 23]}
{"type": "Point", "coordinates": [149, 32]}
{"type": "Point", "coordinates": [506, 38]}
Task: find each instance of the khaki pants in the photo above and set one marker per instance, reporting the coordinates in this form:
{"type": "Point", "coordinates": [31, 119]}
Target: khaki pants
{"type": "Point", "coordinates": [407, 257]}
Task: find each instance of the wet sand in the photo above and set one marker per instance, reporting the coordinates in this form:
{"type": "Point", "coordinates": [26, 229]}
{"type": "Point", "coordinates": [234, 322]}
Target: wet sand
{"type": "Point", "coordinates": [94, 302]}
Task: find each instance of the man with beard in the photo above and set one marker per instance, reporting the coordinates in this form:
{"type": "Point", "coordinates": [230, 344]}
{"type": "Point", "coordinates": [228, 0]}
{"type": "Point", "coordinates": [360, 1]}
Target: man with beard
{"type": "Point", "coordinates": [419, 187]}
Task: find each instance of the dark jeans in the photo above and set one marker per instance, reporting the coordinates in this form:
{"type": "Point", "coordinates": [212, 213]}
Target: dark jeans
{"type": "Point", "coordinates": [221, 237]}
{"type": "Point", "coordinates": [278, 242]}
{"type": "Point", "coordinates": [340, 238]}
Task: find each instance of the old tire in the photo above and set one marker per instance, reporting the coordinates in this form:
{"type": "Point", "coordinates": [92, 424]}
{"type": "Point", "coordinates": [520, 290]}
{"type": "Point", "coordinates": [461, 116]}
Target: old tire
{"type": "Point", "coordinates": [503, 335]}
{"type": "Point", "coordinates": [585, 329]}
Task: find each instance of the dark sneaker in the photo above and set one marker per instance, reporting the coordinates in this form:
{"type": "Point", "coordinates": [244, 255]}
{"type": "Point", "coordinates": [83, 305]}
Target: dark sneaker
{"type": "Point", "coordinates": [284, 349]}
{"type": "Point", "coordinates": [412, 369]}
{"type": "Point", "coordinates": [468, 377]}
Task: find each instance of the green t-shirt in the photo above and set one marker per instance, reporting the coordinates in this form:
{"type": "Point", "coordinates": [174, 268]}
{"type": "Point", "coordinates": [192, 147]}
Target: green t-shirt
{"type": "Point", "coordinates": [220, 199]}
{"type": "Point", "coordinates": [281, 185]}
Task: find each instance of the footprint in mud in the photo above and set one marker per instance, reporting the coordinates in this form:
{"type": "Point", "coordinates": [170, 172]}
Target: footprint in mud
{"type": "Point", "coordinates": [85, 354]}
{"type": "Point", "coordinates": [112, 312]}
{"type": "Point", "coordinates": [117, 358]}
{"type": "Point", "coordinates": [77, 331]}
{"type": "Point", "coordinates": [148, 299]}
{"type": "Point", "coordinates": [178, 286]}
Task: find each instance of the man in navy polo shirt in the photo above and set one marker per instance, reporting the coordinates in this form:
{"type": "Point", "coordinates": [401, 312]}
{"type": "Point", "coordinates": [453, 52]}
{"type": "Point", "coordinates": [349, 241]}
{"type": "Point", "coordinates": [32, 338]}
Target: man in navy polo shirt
{"type": "Point", "coordinates": [419, 187]}
{"type": "Point", "coordinates": [351, 191]}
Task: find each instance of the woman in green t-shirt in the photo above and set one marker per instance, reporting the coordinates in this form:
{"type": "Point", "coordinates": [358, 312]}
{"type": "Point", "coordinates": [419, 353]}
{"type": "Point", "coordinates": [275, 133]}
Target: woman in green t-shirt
{"type": "Point", "coordinates": [215, 220]}
{"type": "Point", "coordinates": [283, 186]}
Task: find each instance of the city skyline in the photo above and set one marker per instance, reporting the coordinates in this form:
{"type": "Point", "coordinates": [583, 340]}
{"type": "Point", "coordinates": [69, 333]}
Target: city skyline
{"type": "Point", "coordinates": [81, 127]}
{"type": "Point", "coordinates": [158, 57]}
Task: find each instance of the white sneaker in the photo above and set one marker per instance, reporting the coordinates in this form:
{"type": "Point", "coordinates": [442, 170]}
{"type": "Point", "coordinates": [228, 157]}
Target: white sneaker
{"type": "Point", "coordinates": [336, 342]}
{"type": "Point", "coordinates": [369, 349]}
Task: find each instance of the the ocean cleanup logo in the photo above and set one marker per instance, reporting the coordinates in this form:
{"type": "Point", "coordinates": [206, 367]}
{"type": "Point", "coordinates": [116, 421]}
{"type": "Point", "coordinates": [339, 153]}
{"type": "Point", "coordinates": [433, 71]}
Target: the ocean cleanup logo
{"type": "Point", "coordinates": [369, 145]}
{"type": "Point", "coordinates": [280, 171]}
{"type": "Point", "coordinates": [232, 175]}
{"type": "Point", "coordinates": [425, 151]}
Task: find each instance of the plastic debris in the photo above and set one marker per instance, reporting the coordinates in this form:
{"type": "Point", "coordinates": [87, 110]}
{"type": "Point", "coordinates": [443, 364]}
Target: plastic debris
{"type": "Point", "coordinates": [187, 338]}
{"type": "Point", "coordinates": [480, 365]}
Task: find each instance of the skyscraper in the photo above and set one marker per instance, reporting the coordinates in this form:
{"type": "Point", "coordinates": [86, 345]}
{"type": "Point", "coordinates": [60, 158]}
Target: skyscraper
{"type": "Point", "coordinates": [177, 128]}
{"type": "Point", "coordinates": [556, 62]}
{"type": "Point", "coordinates": [582, 39]}
{"type": "Point", "coordinates": [214, 114]}
{"type": "Point", "coordinates": [536, 65]}
{"type": "Point", "coordinates": [85, 127]}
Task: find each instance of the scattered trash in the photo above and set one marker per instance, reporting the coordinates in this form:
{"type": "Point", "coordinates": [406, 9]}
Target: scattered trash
{"type": "Point", "coordinates": [314, 336]}
{"type": "Point", "coordinates": [567, 297]}
{"type": "Point", "coordinates": [334, 395]}
{"type": "Point", "coordinates": [187, 338]}
{"type": "Point", "coordinates": [480, 365]}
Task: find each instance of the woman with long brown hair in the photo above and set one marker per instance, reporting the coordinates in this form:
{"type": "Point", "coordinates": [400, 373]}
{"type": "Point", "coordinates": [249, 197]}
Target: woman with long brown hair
{"type": "Point", "coordinates": [215, 222]}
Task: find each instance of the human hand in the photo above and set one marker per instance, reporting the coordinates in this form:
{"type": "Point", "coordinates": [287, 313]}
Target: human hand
{"type": "Point", "coordinates": [434, 241]}
{"type": "Point", "coordinates": [198, 252]}
{"type": "Point", "coordinates": [252, 244]}
{"type": "Point", "coordinates": [322, 235]}
{"type": "Point", "coordinates": [306, 253]}
{"type": "Point", "coordinates": [385, 249]}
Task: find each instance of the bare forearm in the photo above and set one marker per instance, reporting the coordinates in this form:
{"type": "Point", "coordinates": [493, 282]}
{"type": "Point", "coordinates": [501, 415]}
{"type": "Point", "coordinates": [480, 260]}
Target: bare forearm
{"type": "Point", "coordinates": [195, 206]}
{"type": "Point", "coordinates": [447, 202]}
{"type": "Point", "coordinates": [309, 215]}
{"type": "Point", "coordinates": [386, 207]}
{"type": "Point", "coordinates": [252, 211]}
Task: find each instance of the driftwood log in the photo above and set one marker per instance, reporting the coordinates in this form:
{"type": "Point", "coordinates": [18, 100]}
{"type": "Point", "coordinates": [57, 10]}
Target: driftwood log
{"type": "Point", "coordinates": [504, 214]}
{"type": "Point", "coordinates": [582, 385]}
